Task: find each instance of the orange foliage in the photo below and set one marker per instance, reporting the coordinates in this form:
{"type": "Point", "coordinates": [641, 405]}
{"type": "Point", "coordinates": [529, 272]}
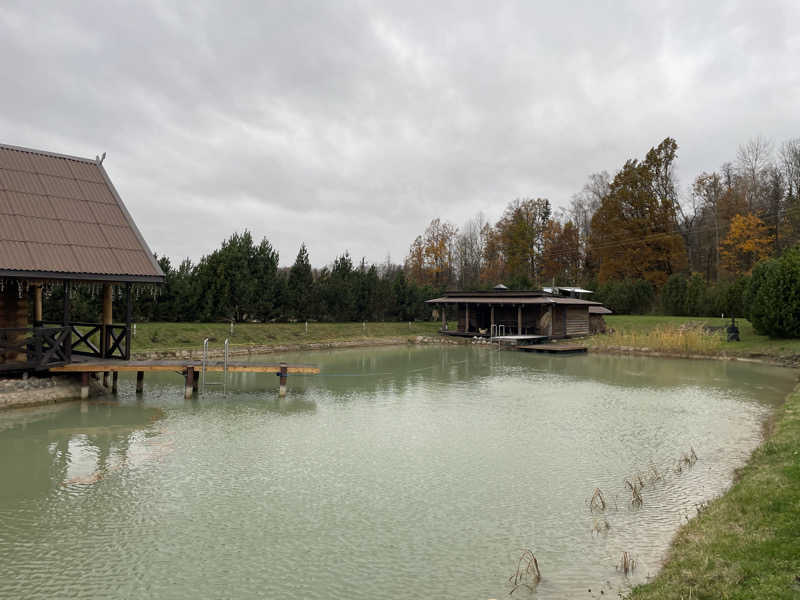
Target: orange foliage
{"type": "Point", "coordinates": [747, 243]}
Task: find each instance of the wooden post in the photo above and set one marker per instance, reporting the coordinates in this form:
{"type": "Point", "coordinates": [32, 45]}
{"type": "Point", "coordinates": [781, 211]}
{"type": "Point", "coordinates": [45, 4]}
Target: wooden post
{"type": "Point", "coordinates": [128, 320]}
{"type": "Point", "coordinates": [66, 303]}
{"type": "Point", "coordinates": [107, 318]}
{"type": "Point", "coordinates": [519, 320]}
{"type": "Point", "coordinates": [105, 378]}
{"type": "Point", "coordinates": [444, 319]}
{"type": "Point", "coordinates": [114, 377]}
{"type": "Point", "coordinates": [84, 385]}
{"type": "Point", "coordinates": [139, 382]}
{"type": "Point", "coordinates": [466, 325]}
{"type": "Point", "coordinates": [491, 322]}
{"type": "Point", "coordinates": [189, 383]}
{"type": "Point", "coordinates": [37, 305]}
{"type": "Point", "coordinates": [283, 374]}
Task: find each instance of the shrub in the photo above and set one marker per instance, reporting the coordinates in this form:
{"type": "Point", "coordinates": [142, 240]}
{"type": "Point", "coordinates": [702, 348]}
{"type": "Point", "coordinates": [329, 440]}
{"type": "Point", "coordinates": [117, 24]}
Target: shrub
{"type": "Point", "coordinates": [773, 296]}
{"type": "Point", "coordinates": [627, 296]}
{"type": "Point", "coordinates": [673, 295]}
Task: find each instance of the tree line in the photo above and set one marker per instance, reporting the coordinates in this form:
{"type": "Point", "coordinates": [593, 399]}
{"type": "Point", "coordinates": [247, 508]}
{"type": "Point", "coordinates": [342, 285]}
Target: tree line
{"type": "Point", "coordinates": [241, 281]}
{"type": "Point", "coordinates": [635, 238]}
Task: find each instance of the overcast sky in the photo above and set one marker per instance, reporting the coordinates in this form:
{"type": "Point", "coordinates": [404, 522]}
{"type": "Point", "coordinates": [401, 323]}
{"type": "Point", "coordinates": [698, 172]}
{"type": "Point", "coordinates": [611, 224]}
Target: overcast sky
{"type": "Point", "coordinates": [350, 125]}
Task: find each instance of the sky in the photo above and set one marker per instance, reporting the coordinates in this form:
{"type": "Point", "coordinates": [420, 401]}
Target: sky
{"type": "Point", "coordinates": [351, 125]}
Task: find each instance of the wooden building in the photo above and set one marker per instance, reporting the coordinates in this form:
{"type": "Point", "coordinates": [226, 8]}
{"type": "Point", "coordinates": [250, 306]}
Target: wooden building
{"type": "Point", "coordinates": [505, 312]}
{"type": "Point", "coordinates": [62, 223]}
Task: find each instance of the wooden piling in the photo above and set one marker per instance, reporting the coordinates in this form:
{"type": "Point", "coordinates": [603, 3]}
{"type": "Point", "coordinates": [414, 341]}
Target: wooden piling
{"type": "Point", "coordinates": [105, 378]}
{"type": "Point", "coordinates": [84, 385]}
{"type": "Point", "coordinates": [189, 383]}
{"type": "Point", "coordinates": [139, 382]}
{"type": "Point", "coordinates": [283, 376]}
{"type": "Point", "coordinates": [114, 377]}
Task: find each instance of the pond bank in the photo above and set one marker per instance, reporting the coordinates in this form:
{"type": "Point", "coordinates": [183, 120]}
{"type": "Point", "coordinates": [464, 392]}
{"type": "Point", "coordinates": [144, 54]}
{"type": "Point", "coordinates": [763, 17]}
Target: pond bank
{"type": "Point", "coordinates": [247, 350]}
{"type": "Point", "coordinates": [744, 543]}
{"type": "Point", "coordinates": [790, 361]}
{"type": "Point", "coordinates": [37, 391]}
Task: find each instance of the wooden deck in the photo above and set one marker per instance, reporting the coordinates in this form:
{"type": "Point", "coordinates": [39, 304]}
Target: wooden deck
{"type": "Point", "coordinates": [101, 366]}
{"type": "Point", "coordinates": [554, 348]}
{"type": "Point", "coordinates": [189, 369]}
{"type": "Point", "coordinates": [519, 340]}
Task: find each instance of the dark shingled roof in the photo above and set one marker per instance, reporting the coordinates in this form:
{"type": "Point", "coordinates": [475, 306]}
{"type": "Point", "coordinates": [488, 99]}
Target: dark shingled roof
{"type": "Point", "coordinates": [61, 218]}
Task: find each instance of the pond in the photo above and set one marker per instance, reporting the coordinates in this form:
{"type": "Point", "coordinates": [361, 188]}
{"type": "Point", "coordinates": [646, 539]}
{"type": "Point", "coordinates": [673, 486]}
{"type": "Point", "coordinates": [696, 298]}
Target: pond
{"type": "Point", "coordinates": [402, 472]}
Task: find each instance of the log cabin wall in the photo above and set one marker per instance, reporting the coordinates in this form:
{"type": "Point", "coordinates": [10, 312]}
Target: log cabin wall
{"type": "Point", "coordinates": [577, 320]}
{"type": "Point", "coordinates": [13, 314]}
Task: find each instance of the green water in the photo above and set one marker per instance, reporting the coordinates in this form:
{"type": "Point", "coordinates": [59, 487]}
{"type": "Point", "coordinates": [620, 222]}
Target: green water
{"type": "Point", "coordinates": [416, 472]}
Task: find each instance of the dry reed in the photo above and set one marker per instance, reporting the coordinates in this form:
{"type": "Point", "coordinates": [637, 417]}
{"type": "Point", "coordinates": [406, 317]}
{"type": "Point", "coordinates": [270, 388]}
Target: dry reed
{"type": "Point", "coordinates": [636, 495]}
{"type": "Point", "coordinates": [527, 574]}
{"type": "Point", "coordinates": [626, 563]}
{"type": "Point", "coordinates": [671, 340]}
{"type": "Point", "coordinates": [597, 503]}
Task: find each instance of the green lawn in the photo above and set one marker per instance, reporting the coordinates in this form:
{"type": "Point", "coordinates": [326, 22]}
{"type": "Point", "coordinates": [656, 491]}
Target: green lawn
{"type": "Point", "coordinates": [752, 344]}
{"type": "Point", "coordinates": [745, 544]}
{"type": "Point", "coordinates": [176, 336]}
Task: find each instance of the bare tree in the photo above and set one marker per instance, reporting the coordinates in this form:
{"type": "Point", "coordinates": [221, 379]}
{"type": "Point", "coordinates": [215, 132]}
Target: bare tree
{"type": "Point", "coordinates": [752, 162]}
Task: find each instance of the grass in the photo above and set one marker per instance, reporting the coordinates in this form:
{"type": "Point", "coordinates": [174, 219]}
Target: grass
{"type": "Point", "coordinates": [745, 543]}
{"type": "Point", "coordinates": [180, 336]}
{"type": "Point", "coordinates": [685, 336]}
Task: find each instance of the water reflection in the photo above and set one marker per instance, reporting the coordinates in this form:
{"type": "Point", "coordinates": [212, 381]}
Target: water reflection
{"type": "Point", "coordinates": [397, 472]}
{"type": "Point", "coordinates": [46, 448]}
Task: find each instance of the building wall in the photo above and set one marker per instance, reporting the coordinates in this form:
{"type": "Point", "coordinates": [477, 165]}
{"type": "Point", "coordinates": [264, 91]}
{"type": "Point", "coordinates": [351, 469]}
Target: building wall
{"type": "Point", "coordinates": [13, 314]}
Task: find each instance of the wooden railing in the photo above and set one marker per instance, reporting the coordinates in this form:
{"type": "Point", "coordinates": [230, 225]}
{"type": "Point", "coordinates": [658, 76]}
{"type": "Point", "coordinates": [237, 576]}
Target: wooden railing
{"type": "Point", "coordinates": [101, 341]}
{"type": "Point", "coordinates": [37, 348]}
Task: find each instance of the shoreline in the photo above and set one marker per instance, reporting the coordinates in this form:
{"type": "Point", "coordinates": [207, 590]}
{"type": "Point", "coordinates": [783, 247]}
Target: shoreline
{"type": "Point", "coordinates": [247, 350]}
{"type": "Point", "coordinates": [742, 544]}
{"type": "Point", "coordinates": [790, 362]}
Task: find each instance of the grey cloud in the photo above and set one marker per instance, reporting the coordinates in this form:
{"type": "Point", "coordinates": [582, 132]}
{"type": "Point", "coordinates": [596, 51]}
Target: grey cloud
{"type": "Point", "coordinates": [350, 125]}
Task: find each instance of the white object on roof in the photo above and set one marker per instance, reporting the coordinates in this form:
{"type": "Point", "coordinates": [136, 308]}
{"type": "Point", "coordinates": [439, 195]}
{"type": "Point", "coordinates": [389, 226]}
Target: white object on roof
{"type": "Point", "coordinates": [571, 290]}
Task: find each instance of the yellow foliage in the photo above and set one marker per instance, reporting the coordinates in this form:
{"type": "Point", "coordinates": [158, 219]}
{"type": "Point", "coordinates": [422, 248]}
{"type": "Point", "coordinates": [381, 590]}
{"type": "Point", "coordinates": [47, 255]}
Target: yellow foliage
{"type": "Point", "coordinates": [747, 243]}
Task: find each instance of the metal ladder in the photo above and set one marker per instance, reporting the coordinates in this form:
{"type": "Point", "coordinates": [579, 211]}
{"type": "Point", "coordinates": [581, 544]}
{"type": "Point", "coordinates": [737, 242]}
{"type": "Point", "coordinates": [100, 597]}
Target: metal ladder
{"type": "Point", "coordinates": [224, 382]}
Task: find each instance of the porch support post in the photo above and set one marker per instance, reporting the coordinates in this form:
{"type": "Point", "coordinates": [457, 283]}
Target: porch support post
{"type": "Point", "coordinates": [466, 325]}
{"type": "Point", "coordinates": [491, 322]}
{"type": "Point", "coordinates": [37, 305]}
{"type": "Point", "coordinates": [107, 318]}
{"type": "Point", "coordinates": [66, 302]}
{"type": "Point", "coordinates": [444, 317]}
{"type": "Point", "coordinates": [519, 319]}
{"type": "Point", "coordinates": [114, 377]}
{"type": "Point", "coordinates": [128, 320]}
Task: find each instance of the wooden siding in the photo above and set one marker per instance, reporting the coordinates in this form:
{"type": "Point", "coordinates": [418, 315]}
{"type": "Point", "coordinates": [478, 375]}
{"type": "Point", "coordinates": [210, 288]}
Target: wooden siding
{"type": "Point", "coordinates": [577, 320]}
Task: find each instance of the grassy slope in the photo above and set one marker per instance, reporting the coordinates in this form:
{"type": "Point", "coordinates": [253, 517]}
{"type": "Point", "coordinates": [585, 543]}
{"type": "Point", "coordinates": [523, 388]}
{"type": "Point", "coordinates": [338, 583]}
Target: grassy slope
{"type": "Point", "coordinates": [745, 544]}
{"type": "Point", "coordinates": [752, 344]}
{"type": "Point", "coordinates": [170, 336]}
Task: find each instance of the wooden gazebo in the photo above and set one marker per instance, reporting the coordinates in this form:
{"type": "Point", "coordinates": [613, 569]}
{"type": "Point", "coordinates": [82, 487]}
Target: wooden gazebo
{"type": "Point", "coordinates": [62, 223]}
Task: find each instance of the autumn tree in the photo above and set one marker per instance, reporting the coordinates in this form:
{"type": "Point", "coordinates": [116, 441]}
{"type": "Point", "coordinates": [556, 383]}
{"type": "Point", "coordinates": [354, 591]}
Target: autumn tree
{"type": "Point", "coordinates": [747, 243]}
{"type": "Point", "coordinates": [521, 236]}
{"type": "Point", "coordinates": [561, 253]}
{"type": "Point", "coordinates": [431, 257]}
{"type": "Point", "coordinates": [634, 231]}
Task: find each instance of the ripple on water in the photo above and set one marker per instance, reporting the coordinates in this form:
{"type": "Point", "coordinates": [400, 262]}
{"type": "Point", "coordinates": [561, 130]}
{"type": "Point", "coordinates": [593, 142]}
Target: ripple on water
{"type": "Point", "coordinates": [424, 475]}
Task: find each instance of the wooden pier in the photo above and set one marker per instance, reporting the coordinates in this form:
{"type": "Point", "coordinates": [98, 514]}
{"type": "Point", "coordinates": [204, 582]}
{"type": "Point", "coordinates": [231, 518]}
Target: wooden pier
{"type": "Point", "coordinates": [554, 348]}
{"type": "Point", "coordinates": [190, 369]}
